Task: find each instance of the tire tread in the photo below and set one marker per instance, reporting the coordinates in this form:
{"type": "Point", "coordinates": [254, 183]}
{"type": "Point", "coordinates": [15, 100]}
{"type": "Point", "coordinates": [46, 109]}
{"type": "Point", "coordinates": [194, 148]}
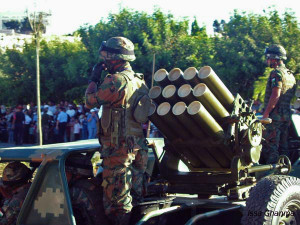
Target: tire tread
{"type": "Point", "coordinates": [264, 196]}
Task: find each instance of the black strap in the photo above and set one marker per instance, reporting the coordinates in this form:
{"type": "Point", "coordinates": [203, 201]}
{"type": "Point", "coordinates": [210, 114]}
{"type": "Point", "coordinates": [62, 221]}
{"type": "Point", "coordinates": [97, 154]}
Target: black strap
{"type": "Point", "coordinates": [116, 51]}
{"type": "Point", "coordinates": [274, 53]}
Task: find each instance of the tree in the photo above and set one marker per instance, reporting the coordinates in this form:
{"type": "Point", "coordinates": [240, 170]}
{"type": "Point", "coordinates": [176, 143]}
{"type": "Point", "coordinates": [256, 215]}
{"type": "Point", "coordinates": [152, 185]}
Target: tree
{"type": "Point", "coordinates": [217, 26]}
{"type": "Point", "coordinates": [235, 52]}
{"type": "Point", "coordinates": [195, 28]}
{"type": "Point", "coordinates": [239, 52]}
{"type": "Point", "coordinates": [157, 33]}
{"type": "Point", "coordinates": [64, 69]}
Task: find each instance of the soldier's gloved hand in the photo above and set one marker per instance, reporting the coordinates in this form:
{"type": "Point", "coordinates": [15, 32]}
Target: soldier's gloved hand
{"type": "Point", "coordinates": [96, 72]}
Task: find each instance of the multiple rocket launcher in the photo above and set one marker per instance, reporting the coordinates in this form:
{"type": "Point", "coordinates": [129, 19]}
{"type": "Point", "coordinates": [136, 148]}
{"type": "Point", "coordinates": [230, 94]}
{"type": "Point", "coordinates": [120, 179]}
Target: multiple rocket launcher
{"type": "Point", "coordinates": [192, 109]}
{"type": "Point", "coordinates": [190, 104]}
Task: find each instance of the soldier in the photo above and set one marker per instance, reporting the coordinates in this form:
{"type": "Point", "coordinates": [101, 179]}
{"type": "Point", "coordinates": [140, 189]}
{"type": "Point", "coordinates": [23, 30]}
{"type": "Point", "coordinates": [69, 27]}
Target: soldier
{"type": "Point", "coordinates": [280, 90]}
{"type": "Point", "coordinates": [85, 191]}
{"type": "Point", "coordinates": [123, 146]}
{"type": "Point", "coordinates": [16, 183]}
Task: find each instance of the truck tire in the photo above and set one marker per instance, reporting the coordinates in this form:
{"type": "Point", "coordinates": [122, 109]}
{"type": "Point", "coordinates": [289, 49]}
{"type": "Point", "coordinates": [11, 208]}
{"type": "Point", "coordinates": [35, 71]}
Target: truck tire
{"type": "Point", "coordinates": [274, 200]}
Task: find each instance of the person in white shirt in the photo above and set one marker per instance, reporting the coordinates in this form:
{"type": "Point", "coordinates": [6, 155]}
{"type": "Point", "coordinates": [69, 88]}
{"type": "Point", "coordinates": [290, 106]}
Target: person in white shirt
{"type": "Point", "coordinates": [71, 112]}
{"type": "Point", "coordinates": [52, 107]}
{"type": "Point", "coordinates": [61, 124]}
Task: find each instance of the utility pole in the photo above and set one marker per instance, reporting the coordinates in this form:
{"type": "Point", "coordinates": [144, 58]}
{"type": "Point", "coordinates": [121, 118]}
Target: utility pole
{"type": "Point", "coordinates": [37, 24]}
{"type": "Point", "coordinates": [152, 81]}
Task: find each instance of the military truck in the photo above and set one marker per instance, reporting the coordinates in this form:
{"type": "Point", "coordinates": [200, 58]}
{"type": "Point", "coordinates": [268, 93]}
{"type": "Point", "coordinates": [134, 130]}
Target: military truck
{"type": "Point", "coordinates": [203, 170]}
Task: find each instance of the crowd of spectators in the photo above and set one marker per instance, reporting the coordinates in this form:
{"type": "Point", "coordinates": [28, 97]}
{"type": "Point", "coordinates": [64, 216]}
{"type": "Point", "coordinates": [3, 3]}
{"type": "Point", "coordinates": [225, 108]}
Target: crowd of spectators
{"type": "Point", "coordinates": [63, 122]}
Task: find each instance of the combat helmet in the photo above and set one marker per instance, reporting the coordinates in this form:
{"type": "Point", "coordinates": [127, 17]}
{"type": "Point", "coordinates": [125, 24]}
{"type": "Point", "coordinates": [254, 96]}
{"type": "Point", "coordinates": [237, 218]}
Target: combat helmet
{"type": "Point", "coordinates": [275, 52]}
{"type": "Point", "coordinates": [79, 164]}
{"type": "Point", "coordinates": [117, 48]}
{"type": "Point", "coordinates": [16, 173]}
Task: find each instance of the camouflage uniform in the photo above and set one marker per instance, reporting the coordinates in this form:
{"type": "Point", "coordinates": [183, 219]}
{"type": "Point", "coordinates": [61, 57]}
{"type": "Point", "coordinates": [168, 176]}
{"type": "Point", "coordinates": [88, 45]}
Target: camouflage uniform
{"type": "Point", "coordinates": [276, 133]}
{"type": "Point", "coordinates": [14, 187]}
{"type": "Point", "coordinates": [123, 146]}
{"type": "Point", "coordinates": [86, 198]}
{"type": "Point", "coordinates": [85, 191]}
{"type": "Point", "coordinates": [11, 207]}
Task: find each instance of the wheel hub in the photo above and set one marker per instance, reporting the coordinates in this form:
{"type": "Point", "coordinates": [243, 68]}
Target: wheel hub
{"type": "Point", "coordinates": [291, 214]}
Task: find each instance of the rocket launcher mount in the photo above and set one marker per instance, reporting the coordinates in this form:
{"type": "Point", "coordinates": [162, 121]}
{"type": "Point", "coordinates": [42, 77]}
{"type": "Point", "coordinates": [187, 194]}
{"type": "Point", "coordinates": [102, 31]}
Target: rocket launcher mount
{"type": "Point", "coordinates": [215, 134]}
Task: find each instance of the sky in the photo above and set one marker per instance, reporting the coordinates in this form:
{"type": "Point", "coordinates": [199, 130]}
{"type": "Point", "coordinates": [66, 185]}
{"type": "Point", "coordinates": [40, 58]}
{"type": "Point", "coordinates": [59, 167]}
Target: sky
{"type": "Point", "coordinates": [69, 15]}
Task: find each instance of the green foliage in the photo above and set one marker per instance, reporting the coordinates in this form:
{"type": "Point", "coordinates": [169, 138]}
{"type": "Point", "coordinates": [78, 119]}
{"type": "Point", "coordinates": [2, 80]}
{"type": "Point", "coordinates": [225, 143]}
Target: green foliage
{"type": "Point", "coordinates": [158, 33]}
{"type": "Point", "coordinates": [195, 28]}
{"type": "Point", "coordinates": [235, 52]}
{"type": "Point", "coordinates": [63, 67]}
{"type": "Point", "coordinates": [218, 27]}
{"type": "Point", "coordinates": [239, 47]}
{"type": "Point", "coordinates": [260, 86]}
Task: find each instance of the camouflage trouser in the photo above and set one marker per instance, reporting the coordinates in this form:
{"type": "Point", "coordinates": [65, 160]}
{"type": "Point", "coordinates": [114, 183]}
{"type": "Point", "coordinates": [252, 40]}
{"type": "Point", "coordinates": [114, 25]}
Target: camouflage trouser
{"type": "Point", "coordinates": [276, 141]}
{"type": "Point", "coordinates": [123, 173]}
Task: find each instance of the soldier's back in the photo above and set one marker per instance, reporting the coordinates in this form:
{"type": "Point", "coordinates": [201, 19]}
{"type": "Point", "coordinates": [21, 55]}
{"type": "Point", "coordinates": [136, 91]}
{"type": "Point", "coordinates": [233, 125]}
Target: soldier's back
{"type": "Point", "coordinates": [86, 197]}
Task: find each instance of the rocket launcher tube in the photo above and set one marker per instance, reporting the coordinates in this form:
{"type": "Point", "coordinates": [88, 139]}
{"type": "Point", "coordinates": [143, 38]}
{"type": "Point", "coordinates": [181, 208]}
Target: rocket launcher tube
{"type": "Point", "coordinates": [161, 77]}
{"type": "Point", "coordinates": [169, 93]}
{"type": "Point", "coordinates": [176, 77]}
{"type": "Point", "coordinates": [209, 101]}
{"type": "Point", "coordinates": [165, 113]}
{"type": "Point", "coordinates": [185, 93]}
{"type": "Point", "coordinates": [217, 87]}
{"type": "Point", "coordinates": [201, 154]}
{"type": "Point", "coordinates": [180, 111]}
{"type": "Point", "coordinates": [207, 123]}
{"type": "Point", "coordinates": [155, 93]}
{"type": "Point", "coordinates": [160, 124]}
{"type": "Point", "coordinates": [191, 76]}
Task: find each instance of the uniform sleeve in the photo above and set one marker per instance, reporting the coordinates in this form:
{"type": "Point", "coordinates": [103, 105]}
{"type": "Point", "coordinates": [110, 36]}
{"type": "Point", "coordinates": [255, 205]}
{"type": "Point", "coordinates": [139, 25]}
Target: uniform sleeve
{"type": "Point", "coordinates": [276, 79]}
{"type": "Point", "coordinates": [111, 91]}
{"type": "Point", "coordinates": [10, 210]}
{"type": "Point", "coordinates": [81, 205]}
{"type": "Point", "coordinates": [80, 199]}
